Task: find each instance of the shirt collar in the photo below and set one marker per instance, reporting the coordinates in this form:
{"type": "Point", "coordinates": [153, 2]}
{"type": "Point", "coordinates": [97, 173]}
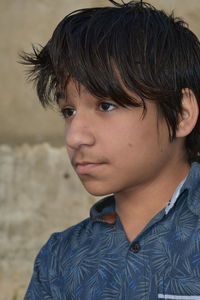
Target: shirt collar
{"type": "Point", "coordinates": [174, 197]}
{"type": "Point", "coordinates": [192, 188]}
{"type": "Point", "coordinates": [104, 210]}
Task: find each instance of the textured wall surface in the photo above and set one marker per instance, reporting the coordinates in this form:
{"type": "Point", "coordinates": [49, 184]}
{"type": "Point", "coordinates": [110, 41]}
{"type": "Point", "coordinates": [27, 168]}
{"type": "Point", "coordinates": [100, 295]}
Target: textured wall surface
{"type": "Point", "coordinates": [39, 193]}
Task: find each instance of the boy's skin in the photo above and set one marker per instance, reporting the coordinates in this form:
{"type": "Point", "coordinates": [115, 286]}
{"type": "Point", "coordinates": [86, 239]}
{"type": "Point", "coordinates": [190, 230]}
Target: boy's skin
{"type": "Point", "coordinates": [126, 152]}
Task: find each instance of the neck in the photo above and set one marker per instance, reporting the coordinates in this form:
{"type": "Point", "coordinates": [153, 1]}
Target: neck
{"type": "Point", "coordinates": [139, 204]}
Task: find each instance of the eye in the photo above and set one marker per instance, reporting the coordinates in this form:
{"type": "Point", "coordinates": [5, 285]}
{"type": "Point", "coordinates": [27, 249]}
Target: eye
{"type": "Point", "coordinates": [67, 112]}
{"type": "Point", "coordinates": [106, 106]}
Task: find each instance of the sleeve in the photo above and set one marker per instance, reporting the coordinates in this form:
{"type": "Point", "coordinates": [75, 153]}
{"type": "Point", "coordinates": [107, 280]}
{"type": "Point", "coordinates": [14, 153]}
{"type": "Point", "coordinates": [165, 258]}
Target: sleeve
{"type": "Point", "coordinates": [39, 287]}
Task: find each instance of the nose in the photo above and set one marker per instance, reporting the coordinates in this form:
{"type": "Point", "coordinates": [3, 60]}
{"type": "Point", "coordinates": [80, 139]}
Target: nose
{"type": "Point", "coordinates": [79, 132]}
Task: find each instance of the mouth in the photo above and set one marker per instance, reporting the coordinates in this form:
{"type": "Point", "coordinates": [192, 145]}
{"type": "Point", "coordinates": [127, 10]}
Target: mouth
{"type": "Point", "coordinates": [86, 167]}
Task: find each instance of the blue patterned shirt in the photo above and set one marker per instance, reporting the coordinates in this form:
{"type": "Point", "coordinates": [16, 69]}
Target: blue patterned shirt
{"type": "Point", "coordinates": [94, 260]}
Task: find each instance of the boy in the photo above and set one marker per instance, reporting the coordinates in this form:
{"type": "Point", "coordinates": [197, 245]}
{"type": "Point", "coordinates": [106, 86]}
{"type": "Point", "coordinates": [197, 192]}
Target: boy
{"type": "Point", "coordinates": [127, 81]}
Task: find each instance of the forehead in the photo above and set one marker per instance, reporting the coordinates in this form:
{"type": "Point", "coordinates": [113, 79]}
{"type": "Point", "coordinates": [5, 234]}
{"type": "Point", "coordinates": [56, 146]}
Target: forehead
{"type": "Point", "coordinates": [73, 88]}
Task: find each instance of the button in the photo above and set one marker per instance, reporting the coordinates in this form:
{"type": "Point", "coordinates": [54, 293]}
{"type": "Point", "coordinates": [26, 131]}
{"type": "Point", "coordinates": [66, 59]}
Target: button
{"type": "Point", "coordinates": [136, 247]}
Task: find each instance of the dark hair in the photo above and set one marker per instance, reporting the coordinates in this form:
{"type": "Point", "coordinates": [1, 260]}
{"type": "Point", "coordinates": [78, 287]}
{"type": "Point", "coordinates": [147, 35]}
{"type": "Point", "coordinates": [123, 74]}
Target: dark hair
{"type": "Point", "coordinates": [153, 54]}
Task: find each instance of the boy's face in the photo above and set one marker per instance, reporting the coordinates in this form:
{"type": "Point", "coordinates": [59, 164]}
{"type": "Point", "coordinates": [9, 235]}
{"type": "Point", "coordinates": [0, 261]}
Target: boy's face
{"type": "Point", "coordinates": [114, 149]}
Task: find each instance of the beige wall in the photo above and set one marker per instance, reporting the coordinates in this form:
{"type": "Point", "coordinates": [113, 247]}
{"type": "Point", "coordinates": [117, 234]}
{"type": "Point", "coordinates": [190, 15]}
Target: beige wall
{"type": "Point", "coordinates": [39, 193]}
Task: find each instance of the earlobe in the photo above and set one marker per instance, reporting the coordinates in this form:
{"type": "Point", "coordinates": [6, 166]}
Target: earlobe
{"type": "Point", "coordinates": [190, 112]}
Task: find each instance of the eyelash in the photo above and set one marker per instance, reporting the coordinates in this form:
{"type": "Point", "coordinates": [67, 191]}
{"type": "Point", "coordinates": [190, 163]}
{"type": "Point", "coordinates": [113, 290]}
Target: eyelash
{"type": "Point", "coordinates": [64, 111]}
{"type": "Point", "coordinates": [107, 103]}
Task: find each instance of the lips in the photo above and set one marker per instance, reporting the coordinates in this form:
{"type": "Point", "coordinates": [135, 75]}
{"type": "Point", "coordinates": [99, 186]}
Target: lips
{"type": "Point", "coordinates": [86, 167]}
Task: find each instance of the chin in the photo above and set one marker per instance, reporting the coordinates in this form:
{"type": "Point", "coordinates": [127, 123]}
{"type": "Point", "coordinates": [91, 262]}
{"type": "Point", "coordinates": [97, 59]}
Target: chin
{"type": "Point", "coordinates": [97, 191]}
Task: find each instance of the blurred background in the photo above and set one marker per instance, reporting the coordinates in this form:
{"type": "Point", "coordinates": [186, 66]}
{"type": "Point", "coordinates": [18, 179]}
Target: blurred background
{"type": "Point", "coordinates": [39, 193]}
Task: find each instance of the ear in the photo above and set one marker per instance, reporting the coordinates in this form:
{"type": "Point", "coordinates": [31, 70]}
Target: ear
{"type": "Point", "coordinates": [190, 112]}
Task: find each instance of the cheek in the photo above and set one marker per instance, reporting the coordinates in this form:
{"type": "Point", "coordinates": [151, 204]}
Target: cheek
{"type": "Point", "coordinates": [144, 141]}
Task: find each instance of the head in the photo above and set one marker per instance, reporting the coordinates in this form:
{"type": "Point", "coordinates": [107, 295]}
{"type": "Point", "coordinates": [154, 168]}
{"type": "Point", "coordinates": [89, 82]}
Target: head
{"type": "Point", "coordinates": [130, 53]}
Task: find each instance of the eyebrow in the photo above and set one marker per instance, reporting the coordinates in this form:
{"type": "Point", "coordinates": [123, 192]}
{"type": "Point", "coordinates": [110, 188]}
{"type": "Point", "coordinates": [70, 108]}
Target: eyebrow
{"type": "Point", "coordinates": [59, 95]}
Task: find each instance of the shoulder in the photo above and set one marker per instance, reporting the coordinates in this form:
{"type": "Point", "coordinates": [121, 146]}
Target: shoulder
{"type": "Point", "coordinates": [57, 255]}
{"type": "Point", "coordinates": [84, 232]}
{"type": "Point", "coordinates": [69, 239]}
{"type": "Point", "coordinates": [76, 240]}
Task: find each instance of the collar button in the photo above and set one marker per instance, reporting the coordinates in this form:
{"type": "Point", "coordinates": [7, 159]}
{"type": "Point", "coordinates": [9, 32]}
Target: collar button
{"type": "Point", "coordinates": [135, 247]}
